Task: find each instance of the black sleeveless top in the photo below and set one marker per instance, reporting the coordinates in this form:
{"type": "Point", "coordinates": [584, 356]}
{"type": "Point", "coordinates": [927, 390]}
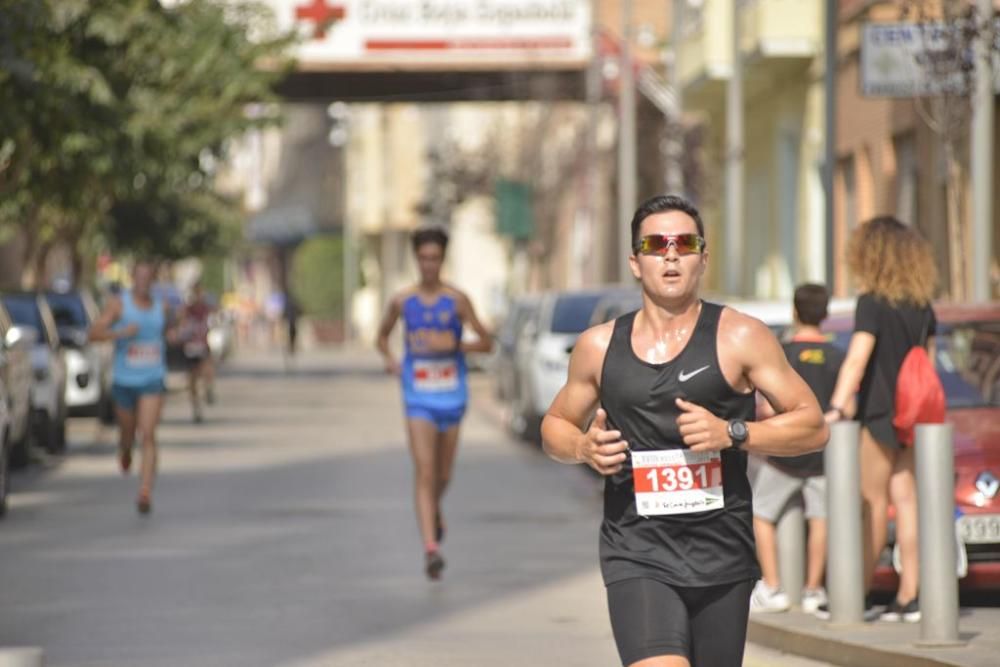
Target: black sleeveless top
{"type": "Point", "coordinates": [699, 549]}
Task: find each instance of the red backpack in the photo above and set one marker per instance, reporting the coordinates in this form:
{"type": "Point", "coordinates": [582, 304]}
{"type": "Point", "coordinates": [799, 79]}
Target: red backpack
{"type": "Point", "coordinates": [919, 394]}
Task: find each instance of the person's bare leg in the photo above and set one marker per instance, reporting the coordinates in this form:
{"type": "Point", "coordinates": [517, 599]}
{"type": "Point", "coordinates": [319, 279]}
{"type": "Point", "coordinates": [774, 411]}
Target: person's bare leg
{"type": "Point", "coordinates": [876, 470]}
{"type": "Point", "coordinates": [193, 376]}
{"type": "Point", "coordinates": [447, 451]}
{"type": "Point", "coordinates": [767, 551]}
{"type": "Point", "coordinates": [903, 493]}
{"type": "Point", "coordinates": [423, 441]}
{"type": "Point", "coordinates": [148, 411]}
{"type": "Point", "coordinates": [126, 436]}
{"type": "Point", "coordinates": [816, 554]}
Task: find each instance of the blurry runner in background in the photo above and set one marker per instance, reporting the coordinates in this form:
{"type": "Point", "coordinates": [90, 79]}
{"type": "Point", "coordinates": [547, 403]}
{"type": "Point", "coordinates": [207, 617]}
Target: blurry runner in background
{"type": "Point", "coordinates": [433, 374]}
{"type": "Point", "coordinates": [137, 323]}
{"type": "Point", "coordinates": [197, 355]}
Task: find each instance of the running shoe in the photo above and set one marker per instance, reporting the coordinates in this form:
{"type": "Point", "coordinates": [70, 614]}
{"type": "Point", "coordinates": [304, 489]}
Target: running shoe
{"type": "Point", "coordinates": [870, 613]}
{"type": "Point", "coordinates": [768, 600]}
{"type": "Point", "coordinates": [896, 611]}
{"type": "Point", "coordinates": [812, 598]}
{"type": "Point", "coordinates": [144, 504]}
{"type": "Point", "coordinates": [434, 565]}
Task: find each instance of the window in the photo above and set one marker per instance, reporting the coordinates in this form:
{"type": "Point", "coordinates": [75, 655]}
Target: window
{"type": "Point", "coordinates": [905, 147]}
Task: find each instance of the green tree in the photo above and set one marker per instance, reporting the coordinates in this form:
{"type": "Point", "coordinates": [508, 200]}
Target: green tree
{"type": "Point", "coordinates": [115, 113]}
{"type": "Point", "coordinates": [317, 277]}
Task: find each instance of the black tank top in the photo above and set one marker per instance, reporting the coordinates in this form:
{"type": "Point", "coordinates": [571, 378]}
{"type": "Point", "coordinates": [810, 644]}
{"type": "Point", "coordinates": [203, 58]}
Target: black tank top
{"type": "Point", "coordinates": [700, 549]}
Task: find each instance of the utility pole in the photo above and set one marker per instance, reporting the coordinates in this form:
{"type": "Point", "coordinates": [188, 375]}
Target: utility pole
{"type": "Point", "coordinates": [734, 163]}
{"type": "Point", "coordinates": [830, 128]}
{"type": "Point", "coordinates": [675, 129]}
{"type": "Point", "coordinates": [626, 144]}
{"type": "Point", "coordinates": [982, 157]}
{"type": "Point", "coordinates": [593, 176]}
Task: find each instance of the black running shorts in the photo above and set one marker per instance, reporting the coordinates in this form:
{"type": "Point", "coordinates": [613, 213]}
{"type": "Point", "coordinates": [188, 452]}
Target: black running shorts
{"type": "Point", "coordinates": [708, 625]}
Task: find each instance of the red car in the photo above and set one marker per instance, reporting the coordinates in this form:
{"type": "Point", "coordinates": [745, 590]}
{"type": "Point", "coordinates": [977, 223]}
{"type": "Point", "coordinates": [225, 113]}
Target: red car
{"type": "Point", "coordinates": [968, 362]}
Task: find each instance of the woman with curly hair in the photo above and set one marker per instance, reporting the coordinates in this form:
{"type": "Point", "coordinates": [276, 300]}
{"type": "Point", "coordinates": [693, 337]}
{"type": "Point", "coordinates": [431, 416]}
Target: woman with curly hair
{"type": "Point", "coordinates": [896, 275]}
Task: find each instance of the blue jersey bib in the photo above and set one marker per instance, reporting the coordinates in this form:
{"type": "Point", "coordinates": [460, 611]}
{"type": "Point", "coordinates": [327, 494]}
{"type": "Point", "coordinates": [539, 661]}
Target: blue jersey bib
{"type": "Point", "coordinates": [433, 379]}
{"type": "Point", "coordinates": [139, 360]}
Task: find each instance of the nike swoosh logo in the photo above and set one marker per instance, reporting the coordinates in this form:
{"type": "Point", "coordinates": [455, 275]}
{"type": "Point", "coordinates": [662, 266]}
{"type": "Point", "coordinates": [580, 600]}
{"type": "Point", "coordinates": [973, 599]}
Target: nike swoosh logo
{"type": "Point", "coordinates": [684, 377]}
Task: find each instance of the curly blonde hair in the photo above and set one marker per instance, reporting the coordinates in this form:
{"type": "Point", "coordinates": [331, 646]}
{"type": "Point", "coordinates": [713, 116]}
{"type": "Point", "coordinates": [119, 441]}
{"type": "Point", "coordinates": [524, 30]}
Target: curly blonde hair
{"type": "Point", "coordinates": [892, 260]}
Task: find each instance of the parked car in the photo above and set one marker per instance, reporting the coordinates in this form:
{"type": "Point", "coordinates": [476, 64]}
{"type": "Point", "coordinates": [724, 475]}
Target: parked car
{"type": "Point", "coordinates": [505, 351]}
{"type": "Point", "coordinates": [543, 348]}
{"type": "Point", "coordinates": [16, 375]}
{"type": "Point", "coordinates": [4, 449]}
{"type": "Point", "coordinates": [48, 395]}
{"type": "Point", "coordinates": [967, 358]}
{"type": "Point", "coordinates": [88, 363]}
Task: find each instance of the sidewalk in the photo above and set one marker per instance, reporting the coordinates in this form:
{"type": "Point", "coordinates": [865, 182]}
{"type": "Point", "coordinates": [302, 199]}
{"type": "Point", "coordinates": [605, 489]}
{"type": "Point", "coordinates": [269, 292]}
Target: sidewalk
{"type": "Point", "coordinates": [869, 644]}
{"type": "Point", "coordinates": [881, 644]}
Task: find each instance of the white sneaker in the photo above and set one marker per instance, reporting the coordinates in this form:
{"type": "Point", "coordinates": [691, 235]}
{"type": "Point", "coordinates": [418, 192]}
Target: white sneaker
{"type": "Point", "coordinates": [768, 600]}
{"type": "Point", "coordinates": [812, 598]}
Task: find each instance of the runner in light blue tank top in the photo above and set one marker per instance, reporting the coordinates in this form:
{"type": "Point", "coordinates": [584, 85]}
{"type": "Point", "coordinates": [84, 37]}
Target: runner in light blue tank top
{"type": "Point", "coordinates": [137, 324]}
{"type": "Point", "coordinates": [433, 377]}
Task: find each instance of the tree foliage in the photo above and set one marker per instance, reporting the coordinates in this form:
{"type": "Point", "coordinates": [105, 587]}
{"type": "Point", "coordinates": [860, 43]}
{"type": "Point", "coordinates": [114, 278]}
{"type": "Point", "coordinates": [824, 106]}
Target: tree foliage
{"type": "Point", "coordinates": [116, 113]}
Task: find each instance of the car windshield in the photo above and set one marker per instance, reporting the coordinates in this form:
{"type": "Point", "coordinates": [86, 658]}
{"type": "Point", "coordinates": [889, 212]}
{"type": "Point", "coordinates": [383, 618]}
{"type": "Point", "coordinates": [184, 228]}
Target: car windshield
{"type": "Point", "coordinates": [572, 313]}
{"type": "Point", "coordinates": [67, 309]}
{"type": "Point", "coordinates": [23, 310]}
{"type": "Point", "coordinates": [966, 361]}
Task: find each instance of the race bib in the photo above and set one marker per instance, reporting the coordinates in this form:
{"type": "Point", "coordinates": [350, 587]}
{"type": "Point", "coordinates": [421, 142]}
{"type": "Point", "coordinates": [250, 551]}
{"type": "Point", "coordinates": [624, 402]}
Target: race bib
{"type": "Point", "coordinates": [435, 375]}
{"type": "Point", "coordinates": [144, 355]}
{"type": "Point", "coordinates": [677, 481]}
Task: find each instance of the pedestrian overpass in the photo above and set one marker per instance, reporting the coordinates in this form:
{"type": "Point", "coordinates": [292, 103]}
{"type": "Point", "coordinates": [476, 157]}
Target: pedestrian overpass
{"type": "Point", "coordinates": [436, 50]}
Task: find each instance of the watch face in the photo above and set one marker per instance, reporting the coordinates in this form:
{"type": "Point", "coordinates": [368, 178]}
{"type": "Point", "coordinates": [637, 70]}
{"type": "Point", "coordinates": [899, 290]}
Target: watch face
{"type": "Point", "coordinates": [738, 430]}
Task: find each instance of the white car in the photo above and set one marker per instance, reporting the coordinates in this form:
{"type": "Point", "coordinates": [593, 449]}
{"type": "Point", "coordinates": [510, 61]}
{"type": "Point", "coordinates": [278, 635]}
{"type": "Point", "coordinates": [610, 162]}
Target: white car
{"type": "Point", "coordinates": [48, 395]}
{"type": "Point", "coordinates": [4, 448]}
{"type": "Point", "coordinates": [543, 349]}
{"type": "Point", "coordinates": [88, 363]}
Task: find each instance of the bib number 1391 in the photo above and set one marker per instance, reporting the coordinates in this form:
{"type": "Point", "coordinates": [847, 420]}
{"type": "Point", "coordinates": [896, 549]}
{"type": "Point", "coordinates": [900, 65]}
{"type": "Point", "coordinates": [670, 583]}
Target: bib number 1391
{"type": "Point", "coordinates": [677, 481]}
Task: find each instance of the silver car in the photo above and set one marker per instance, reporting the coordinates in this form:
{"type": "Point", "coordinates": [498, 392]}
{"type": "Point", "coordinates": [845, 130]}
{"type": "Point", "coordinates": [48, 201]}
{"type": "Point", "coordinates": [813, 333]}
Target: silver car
{"type": "Point", "coordinates": [48, 395]}
{"type": "Point", "coordinates": [16, 344]}
{"type": "Point", "coordinates": [543, 348]}
{"type": "Point", "coordinates": [88, 363]}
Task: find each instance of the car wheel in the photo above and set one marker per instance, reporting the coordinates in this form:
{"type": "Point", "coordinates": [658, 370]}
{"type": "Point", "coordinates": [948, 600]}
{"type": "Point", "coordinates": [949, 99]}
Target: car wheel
{"type": "Point", "coordinates": [106, 410]}
{"type": "Point", "coordinates": [57, 437]}
{"type": "Point", "coordinates": [18, 457]}
{"type": "Point", "coordinates": [4, 473]}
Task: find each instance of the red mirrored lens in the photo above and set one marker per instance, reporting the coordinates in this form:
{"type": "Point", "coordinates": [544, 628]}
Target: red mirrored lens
{"type": "Point", "coordinates": [658, 244]}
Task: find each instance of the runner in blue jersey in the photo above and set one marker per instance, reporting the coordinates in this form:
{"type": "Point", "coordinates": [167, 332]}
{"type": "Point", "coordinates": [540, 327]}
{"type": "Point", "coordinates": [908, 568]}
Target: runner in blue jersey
{"type": "Point", "coordinates": [136, 322]}
{"type": "Point", "coordinates": [433, 374]}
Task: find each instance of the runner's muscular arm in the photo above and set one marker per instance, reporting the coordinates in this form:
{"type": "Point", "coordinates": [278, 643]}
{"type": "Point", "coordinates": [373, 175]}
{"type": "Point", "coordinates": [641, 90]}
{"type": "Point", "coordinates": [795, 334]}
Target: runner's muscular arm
{"type": "Point", "coordinates": [484, 340]}
{"type": "Point", "coordinates": [101, 329]}
{"type": "Point", "coordinates": [797, 428]}
{"type": "Point", "coordinates": [563, 435]}
{"type": "Point", "coordinates": [392, 314]}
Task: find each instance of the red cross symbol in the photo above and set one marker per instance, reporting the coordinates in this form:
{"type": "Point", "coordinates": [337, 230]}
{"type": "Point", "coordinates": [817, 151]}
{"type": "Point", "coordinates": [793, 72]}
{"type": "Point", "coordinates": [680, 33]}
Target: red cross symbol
{"type": "Point", "coordinates": [321, 14]}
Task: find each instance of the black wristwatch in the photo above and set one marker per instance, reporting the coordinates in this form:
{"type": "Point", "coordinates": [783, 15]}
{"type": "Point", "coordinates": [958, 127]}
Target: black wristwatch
{"type": "Point", "coordinates": [738, 432]}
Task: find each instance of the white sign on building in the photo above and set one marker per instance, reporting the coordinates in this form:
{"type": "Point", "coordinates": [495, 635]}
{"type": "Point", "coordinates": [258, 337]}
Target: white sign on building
{"type": "Point", "coordinates": [413, 34]}
{"type": "Point", "coordinates": [910, 59]}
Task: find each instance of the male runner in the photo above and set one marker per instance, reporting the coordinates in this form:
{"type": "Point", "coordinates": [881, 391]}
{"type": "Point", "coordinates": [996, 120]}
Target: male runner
{"type": "Point", "coordinates": [433, 374]}
{"type": "Point", "coordinates": [674, 386]}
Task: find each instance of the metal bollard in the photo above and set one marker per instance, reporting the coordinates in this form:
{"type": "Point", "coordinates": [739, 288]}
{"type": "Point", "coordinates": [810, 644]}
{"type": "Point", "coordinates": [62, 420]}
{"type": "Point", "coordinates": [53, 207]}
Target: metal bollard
{"type": "Point", "coordinates": [845, 566]}
{"type": "Point", "coordinates": [21, 656]}
{"type": "Point", "coordinates": [791, 539]}
{"type": "Point", "coordinates": [935, 469]}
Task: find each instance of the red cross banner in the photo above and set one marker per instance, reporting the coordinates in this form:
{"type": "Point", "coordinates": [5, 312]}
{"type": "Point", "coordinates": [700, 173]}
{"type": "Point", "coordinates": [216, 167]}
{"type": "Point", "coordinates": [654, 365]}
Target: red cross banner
{"type": "Point", "coordinates": [412, 33]}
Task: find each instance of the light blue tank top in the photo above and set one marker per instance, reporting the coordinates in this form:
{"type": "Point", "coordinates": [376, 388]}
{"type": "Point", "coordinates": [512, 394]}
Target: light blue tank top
{"type": "Point", "coordinates": [140, 360]}
{"type": "Point", "coordinates": [433, 380]}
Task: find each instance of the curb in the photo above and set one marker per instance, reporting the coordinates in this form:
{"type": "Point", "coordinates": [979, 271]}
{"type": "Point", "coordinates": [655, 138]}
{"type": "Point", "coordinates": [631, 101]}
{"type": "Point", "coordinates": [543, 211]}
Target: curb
{"type": "Point", "coordinates": [824, 643]}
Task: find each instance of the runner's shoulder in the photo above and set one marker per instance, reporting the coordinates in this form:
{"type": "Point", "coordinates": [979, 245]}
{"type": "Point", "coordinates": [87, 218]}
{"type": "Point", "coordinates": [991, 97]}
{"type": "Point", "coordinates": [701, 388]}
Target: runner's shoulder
{"type": "Point", "coordinates": [458, 295]}
{"type": "Point", "coordinates": [593, 343]}
{"type": "Point", "coordinates": [743, 332]}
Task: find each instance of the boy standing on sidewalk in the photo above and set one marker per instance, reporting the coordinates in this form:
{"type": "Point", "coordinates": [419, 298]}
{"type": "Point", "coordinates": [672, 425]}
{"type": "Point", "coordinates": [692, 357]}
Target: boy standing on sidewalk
{"type": "Point", "coordinates": [780, 479]}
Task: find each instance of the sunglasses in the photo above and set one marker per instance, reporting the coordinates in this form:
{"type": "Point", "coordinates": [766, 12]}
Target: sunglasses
{"type": "Point", "coordinates": [658, 244]}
